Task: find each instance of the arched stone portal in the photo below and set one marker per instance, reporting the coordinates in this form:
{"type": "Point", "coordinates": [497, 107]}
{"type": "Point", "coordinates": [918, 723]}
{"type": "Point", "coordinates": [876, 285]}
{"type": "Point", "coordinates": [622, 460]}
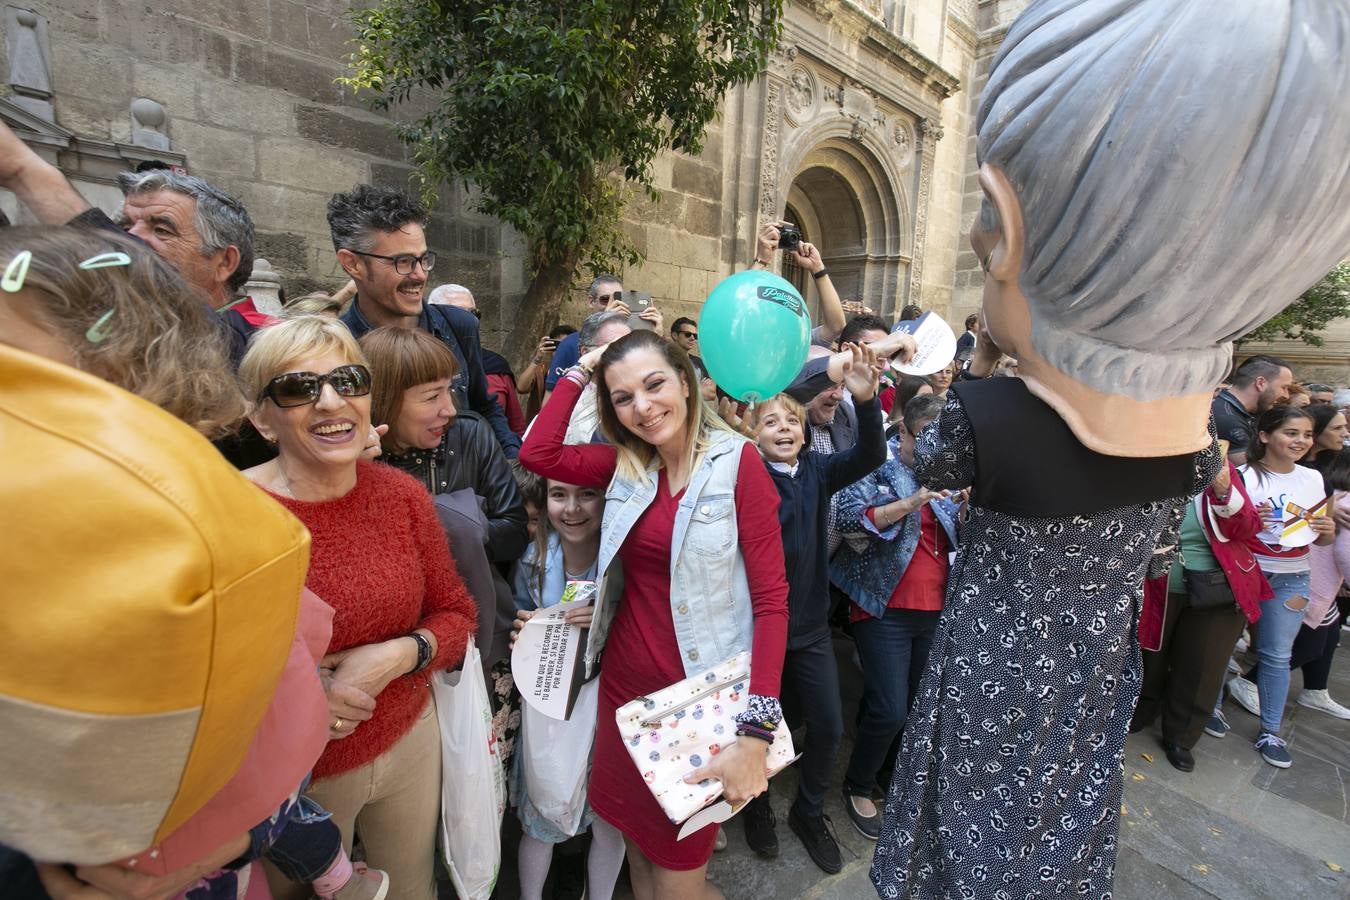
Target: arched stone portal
{"type": "Point", "coordinates": [849, 209]}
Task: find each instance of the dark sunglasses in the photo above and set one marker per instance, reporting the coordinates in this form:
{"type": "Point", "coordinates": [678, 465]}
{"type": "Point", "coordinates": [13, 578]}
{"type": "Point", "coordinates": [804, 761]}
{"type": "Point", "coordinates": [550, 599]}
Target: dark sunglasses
{"type": "Point", "coordinates": [303, 388]}
{"type": "Point", "coordinates": [689, 334]}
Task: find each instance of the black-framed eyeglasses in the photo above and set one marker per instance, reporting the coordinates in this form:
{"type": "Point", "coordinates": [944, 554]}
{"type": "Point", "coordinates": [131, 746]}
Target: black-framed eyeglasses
{"type": "Point", "coordinates": [302, 388]}
{"type": "Point", "coordinates": [692, 335]}
{"type": "Point", "coordinates": [404, 263]}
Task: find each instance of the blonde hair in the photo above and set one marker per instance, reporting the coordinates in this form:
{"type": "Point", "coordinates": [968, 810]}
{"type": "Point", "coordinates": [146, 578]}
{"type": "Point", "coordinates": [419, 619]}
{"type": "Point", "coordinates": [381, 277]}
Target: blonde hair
{"type": "Point", "coordinates": [278, 346]}
{"type": "Point", "coordinates": [139, 326]}
{"type": "Point", "coordinates": [701, 421]}
{"type": "Point", "coordinates": [786, 401]}
{"type": "Point", "coordinates": [401, 358]}
{"type": "Point", "coordinates": [315, 304]}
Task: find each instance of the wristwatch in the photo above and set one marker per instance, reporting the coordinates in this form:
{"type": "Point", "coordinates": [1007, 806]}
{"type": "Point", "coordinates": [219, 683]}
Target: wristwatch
{"type": "Point", "coordinates": [424, 653]}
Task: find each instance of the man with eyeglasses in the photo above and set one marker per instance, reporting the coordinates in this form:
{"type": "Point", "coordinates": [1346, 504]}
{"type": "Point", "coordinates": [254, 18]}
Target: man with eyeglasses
{"type": "Point", "coordinates": [381, 243]}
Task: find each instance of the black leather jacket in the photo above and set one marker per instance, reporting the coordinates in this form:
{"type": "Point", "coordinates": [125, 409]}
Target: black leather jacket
{"type": "Point", "coordinates": [470, 457]}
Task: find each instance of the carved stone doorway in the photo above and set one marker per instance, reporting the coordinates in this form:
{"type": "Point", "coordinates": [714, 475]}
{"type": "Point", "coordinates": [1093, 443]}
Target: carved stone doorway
{"type": "Point", "coordinates": [843, 199]}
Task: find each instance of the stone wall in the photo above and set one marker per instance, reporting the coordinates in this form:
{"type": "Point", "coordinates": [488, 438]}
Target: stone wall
{"type": "Point", "coordinates": [249, 95]}
{"type": "Point", "coordinates": [250, 102]}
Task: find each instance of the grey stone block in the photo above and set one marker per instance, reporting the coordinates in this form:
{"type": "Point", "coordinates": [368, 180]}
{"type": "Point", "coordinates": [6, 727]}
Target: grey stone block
{"type": "Point", "coordinates": [341, 130]}
{"type": "Point", "coordinates": [690, 177]}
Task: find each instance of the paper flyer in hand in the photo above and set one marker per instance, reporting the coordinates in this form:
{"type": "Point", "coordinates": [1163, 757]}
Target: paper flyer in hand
{"type": "Point", "coordinates": [936, 344]}
{"type": "Point", "coordinates": [546, 660]}
{"type": "Point", "coordinates": [1296, 532]}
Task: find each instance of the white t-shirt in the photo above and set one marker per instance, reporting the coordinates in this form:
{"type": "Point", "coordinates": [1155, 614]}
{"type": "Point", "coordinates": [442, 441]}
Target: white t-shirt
{"type": "Point", "coordinates": [1304, 486]}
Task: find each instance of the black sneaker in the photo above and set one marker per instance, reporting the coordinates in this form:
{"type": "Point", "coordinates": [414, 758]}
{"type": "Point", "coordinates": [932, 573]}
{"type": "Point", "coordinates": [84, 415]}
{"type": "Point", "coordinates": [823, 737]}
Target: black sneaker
{"type": "Point", "coordinates": [817, 836]}
{"type": "Point", "coordinates": [868, 826]}
{"type": "Point", "coordinates": [760, 823]}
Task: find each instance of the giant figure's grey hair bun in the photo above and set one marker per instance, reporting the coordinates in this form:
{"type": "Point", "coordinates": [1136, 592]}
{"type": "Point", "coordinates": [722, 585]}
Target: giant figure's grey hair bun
{"type": "Point", "coordinates": [1184, 174]}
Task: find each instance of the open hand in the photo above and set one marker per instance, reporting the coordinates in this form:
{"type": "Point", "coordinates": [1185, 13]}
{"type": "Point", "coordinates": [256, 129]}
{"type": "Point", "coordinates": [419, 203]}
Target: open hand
{"type": "Point", "coordinates": [740, 768]}
{"type": "Point", "coordinates": [862, 376]}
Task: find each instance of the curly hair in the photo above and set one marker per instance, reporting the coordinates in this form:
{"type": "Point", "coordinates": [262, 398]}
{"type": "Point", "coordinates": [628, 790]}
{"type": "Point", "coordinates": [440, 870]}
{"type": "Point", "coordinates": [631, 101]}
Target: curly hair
{"type": "Point", "coordinates": [355, 216]}
{"type": "Point", "coordinates": [137, 325]}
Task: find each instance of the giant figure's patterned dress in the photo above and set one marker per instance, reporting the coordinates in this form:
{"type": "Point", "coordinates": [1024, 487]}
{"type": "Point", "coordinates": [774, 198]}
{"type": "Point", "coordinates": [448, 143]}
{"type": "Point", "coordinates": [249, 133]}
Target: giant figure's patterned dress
{"type": "Point", "coordinates": [1008, 784]}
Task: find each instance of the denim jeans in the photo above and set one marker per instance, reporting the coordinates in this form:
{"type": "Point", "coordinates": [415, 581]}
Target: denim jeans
{"type": "Point", "coordinates": [894, 653]}
{"type": "Point", "coordinates": [309, 844]}
{"type": "Point", "coordinates": [1275, 633]}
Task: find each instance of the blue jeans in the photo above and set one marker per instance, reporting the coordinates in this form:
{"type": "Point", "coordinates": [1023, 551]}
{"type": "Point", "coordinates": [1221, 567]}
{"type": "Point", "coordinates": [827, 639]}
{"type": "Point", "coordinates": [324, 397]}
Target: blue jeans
{"type": "Point", "coordinates": [1275, 633]}
{"type": "Point", "coordinates": [894, 653]}
{"type": "Point", "coordinates": [309, 843]}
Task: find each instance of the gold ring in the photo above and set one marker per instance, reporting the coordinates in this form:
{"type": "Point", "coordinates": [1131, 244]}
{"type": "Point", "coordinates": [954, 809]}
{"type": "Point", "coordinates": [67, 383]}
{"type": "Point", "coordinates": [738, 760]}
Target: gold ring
{"type": "Point", "coordinates": [337, 724]}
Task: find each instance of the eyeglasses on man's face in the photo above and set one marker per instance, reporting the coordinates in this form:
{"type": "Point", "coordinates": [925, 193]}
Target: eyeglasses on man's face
{"type": "Point", "coordinates": [404, 263]}
{"type": "Point", "coordinates": [689, 335]}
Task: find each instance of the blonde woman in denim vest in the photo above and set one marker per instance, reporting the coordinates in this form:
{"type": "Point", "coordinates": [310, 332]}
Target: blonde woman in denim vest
{"type": "Point", "coordinates": [691, 567]}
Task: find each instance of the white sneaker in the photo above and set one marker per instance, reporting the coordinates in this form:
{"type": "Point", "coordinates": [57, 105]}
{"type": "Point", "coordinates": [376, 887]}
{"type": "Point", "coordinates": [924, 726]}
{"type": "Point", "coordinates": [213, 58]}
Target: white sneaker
{"type": "Point", "coordinates": [1246, 694]}
{"type": "Point", "coordinates": [1321, 700]}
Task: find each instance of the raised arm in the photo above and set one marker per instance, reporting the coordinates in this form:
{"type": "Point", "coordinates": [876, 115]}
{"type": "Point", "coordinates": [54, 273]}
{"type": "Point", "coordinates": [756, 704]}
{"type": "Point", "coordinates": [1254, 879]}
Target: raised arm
{"type": "Point", "coordinates": [38, 184]}
{"type": "Point", "coordinates": [544, 451]}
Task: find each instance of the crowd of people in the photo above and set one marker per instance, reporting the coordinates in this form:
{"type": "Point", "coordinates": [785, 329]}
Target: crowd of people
{"type": "Point", "coordinates": [805, 512]}
{"type": "Point", "coordinates": [412, 501]}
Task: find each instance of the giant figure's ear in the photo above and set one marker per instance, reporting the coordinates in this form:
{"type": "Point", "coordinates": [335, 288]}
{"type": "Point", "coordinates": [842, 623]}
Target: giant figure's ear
{"type": "Point", "coordinates": [1000, 250]}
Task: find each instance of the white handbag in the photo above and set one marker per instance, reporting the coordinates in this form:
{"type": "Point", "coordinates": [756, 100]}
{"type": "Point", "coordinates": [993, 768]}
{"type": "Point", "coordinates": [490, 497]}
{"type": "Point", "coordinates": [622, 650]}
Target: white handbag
{"type": "Point", "coordinates": [680, 728]}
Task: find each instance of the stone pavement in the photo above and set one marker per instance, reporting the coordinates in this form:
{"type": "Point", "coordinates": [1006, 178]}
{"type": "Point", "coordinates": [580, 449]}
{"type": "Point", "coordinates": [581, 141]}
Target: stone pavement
{"type": "Point", "coordinates": [1235, 828]}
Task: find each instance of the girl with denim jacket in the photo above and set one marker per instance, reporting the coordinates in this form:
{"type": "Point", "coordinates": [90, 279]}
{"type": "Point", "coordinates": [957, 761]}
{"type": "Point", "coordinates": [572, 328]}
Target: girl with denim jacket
{"type": "Point", "coordinates": [691, 573]}
{"type": "Point", "coordinates": [566, 548]}
{"type": "Point", "coordinates": [893, 566]}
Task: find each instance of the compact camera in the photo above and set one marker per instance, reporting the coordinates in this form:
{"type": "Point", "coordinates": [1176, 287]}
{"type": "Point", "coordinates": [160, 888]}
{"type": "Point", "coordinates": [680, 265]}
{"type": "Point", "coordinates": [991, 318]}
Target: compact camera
{"type": "Point", "coordinates": [789, 237]}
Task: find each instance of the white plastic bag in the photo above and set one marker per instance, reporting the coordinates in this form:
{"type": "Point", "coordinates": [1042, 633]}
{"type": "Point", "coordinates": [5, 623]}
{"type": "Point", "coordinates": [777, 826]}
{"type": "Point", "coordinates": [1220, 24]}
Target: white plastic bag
{"type": "Point", "coordinates": [473, 784]}
{"type": "Point", "coordinates": [557, 758]}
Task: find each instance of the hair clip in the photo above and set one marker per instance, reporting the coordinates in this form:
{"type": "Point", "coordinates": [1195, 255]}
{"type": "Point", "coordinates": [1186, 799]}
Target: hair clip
{"type": "Point", "coordinates": [99, 330]}
{"type": "Point", "coordinates": [16, 272]}
{"type": "Point", "coordinates": [106, 260]}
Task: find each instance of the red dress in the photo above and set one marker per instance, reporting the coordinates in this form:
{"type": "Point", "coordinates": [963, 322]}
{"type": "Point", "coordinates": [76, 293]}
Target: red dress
{"type": "Point", "coordinates": [641, 655]}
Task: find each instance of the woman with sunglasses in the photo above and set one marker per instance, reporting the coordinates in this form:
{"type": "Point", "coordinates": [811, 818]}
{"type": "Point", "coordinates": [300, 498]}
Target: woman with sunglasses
{"type": "Point", "coordinates": [379, 558]}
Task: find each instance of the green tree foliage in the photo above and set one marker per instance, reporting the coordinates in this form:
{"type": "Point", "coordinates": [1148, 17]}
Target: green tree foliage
{"type": "Point", "coordinates": [1303, 319]}
{"type": "Point", "coordinates": [553, 111]}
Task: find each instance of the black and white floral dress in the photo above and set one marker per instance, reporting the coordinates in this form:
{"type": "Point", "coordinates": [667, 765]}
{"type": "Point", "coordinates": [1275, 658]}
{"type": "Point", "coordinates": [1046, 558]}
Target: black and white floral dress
{"type": "Point", "coordinates": [1008, 783]}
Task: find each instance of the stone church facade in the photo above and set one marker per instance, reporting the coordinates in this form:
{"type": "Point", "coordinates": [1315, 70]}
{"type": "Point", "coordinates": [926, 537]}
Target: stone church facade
{"type": "Point", "coordinates": [861, 132]}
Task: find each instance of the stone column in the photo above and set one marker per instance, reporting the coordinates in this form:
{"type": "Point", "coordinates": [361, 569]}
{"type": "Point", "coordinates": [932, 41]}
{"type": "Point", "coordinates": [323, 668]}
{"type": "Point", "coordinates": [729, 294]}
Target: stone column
{"type": "Point", "coordinates": [264, 286]}
{"type": "Point", "coordinates": [930, 132]}
{"type": "Point", "coordinates": [775, 78]}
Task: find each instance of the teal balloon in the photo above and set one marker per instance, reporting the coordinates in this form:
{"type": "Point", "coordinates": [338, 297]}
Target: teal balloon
{"type": "Point", "coordinates": [754, 333]}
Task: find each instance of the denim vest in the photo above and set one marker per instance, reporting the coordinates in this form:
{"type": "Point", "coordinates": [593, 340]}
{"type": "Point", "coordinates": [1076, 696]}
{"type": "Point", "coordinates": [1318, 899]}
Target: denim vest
{"type": "Point", "coordinates": [709, 592]}
{"type": "Point", "coordinates": [871, 561]}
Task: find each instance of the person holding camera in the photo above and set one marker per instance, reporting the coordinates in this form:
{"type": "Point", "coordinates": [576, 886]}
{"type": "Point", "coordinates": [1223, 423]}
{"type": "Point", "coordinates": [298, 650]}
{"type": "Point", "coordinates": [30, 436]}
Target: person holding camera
{"type": "Point", "coordinates": [785, 236]}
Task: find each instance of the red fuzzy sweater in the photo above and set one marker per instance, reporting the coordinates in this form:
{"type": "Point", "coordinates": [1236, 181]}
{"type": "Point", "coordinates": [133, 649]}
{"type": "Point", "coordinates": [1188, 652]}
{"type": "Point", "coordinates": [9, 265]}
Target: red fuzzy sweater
{"type": "Point", "coordinates": [380, 559]}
